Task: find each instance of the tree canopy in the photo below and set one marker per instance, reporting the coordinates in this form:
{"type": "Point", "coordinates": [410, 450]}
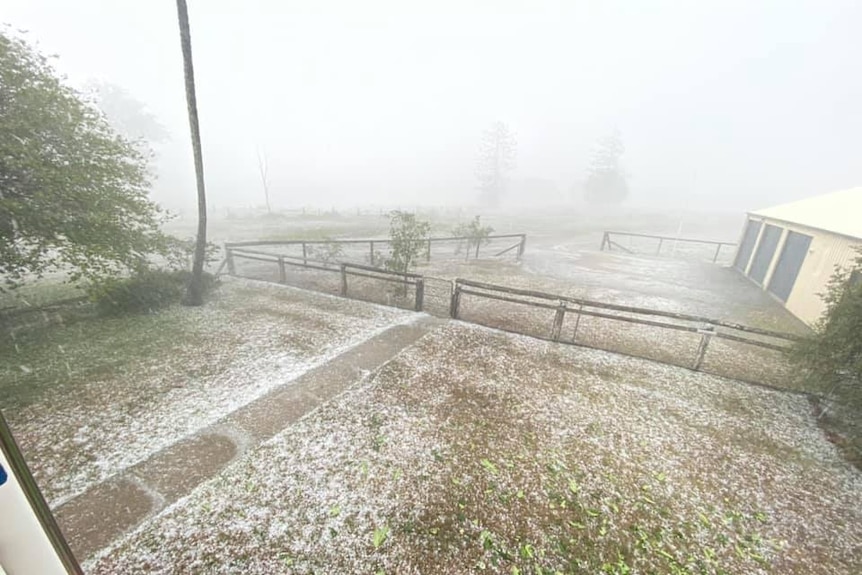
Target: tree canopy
{"type": "Point", "coordinates": [73, 192]}
{"type": "Point", "coordinates": [126, 114]}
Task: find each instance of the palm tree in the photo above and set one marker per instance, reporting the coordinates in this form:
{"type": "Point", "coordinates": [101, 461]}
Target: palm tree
{"type": "Point", "coordinates": [194, 296]}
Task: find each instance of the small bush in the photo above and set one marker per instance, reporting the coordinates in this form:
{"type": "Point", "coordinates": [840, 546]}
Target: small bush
{"type": "Point", "coordinates": [476, 235]}
{"type": "Point", "coordinates": [144, 292]}
{"type": "Point", "coordinates": [408, 237]}
{"type": "Point", "coordinates": [832, 360]}
{"type": "Point", "coordinates": [834, 354]}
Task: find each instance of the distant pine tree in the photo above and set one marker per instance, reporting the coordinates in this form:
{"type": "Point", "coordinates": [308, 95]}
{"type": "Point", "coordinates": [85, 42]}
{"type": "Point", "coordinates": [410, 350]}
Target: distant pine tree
{"type": "Point", "coordinates": [606, 179]}
{"type": "Point", "coordinates": [497, 155]}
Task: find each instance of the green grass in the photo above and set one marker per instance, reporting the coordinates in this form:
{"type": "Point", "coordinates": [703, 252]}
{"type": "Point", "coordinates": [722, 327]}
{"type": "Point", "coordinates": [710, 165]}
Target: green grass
{"type": "Point", "coordinates": [39, 361]}
{"type": "Point", "coordinates": [39, 293]}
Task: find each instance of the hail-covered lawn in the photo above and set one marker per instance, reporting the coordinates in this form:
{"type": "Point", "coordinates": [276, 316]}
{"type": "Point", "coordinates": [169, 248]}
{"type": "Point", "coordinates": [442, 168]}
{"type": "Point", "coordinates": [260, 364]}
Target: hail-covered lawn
{"type": "Point", "coordinates": [475, 451]}
{"type": "Point", "coordinates": [93, 397]}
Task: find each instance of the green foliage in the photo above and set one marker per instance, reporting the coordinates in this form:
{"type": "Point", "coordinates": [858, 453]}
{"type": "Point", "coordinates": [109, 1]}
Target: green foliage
{"type": "Point", "coordinates": [126, 114]}
{"type": "Point", "coordinates": [73, 193]}
{"type": "Point", "coordinates": [476, 233]}
{"type": "Point", "coordinates": [144, 292]}
{"type": "Point", "coordinates": [380, 535]}
{"type": "Point", "coordinates": [606, 180]}
{"type": "Point", "coordinates": [834, 354]}
{"type": "Point", "coordinates": [179, 253]}
{"type": "Point", "coordinates": [408, 236]}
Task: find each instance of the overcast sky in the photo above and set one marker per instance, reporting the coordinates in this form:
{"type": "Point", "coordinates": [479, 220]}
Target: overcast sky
{"type": "Point", "coordinates": [737, 105]}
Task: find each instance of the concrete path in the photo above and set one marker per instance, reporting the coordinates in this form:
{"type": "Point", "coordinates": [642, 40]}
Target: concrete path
{"type": "Point", "coordinates": [104, 512]}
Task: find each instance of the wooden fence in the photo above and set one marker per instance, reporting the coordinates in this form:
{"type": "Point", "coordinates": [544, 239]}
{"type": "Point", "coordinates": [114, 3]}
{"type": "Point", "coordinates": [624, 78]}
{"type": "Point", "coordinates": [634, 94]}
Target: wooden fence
{"type": "Point", "coordinates": [373, 249]}
{"type": "Point", "coordinates": [700, 343]}
{"type": "Point", "coordinates": [405, 280]}
{"type": "Point", "coordinates": [410, 286]}
{"type": "Point", "coordinates": [570, 311]}
{"type": "Point", "coordinates": [609, 243]}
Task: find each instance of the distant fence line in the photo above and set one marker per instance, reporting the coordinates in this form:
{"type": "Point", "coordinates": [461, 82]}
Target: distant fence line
{"type": "Point", "coordinates": [473, 245]}
{"type": "Point", "coordinates": [591, 323]}
{"type": "Point", "coordinates": [610, 244]}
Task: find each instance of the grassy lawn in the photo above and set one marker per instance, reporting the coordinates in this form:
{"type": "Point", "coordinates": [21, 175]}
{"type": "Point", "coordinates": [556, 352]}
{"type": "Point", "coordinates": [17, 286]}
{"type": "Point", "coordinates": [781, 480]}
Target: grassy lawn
{"type": "Point", "coordinates": [88, 398]}
{"type": "Point", "coordinates": [474, 451]}
{"type": "Point", "coordinates": [38, 293]}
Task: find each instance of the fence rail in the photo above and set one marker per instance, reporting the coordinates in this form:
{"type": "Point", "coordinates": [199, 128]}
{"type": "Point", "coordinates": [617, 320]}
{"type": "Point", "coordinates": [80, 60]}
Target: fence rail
{"type": "Point", "coordinates": [252, 243]}
{"type": "Point", "coordinates": [592, 324]}
{"type": "Point", "coordinates": [376, 246]}
{"type": "Point", "coordinates": [609, 244]}
{"type": "Point", "coordinates": [378, 274]}
{"type": "Point", "coordinates": [564, 307]}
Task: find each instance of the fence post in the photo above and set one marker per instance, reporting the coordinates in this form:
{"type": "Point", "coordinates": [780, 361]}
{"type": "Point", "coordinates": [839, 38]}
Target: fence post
{"type": "Point", "coordinates": [558, 321]}
{"type": "Point", "coordinates": [456, 300]}
{"type": "Point", "coordinates": [304, 255]}
{"type": "Point", "coordinates": [522, 246]}
{"type": "Point", "coordinates": [282, 273]}
{"type": "Point", "coordinates": [660, 242]}
{"type": "Point", "coordinates": [605, 241]}
{"type": "Point", "coordinates": [706, 335]}
{"type": "Point", "coordinates": [478, 243]}
{"type": "Point", "coordinates": [428, 252]}
{"type": "Point", "coordinates": [715, 257]}
{"type": "Point", "coordinates": [343, 280]}
{"type": "Point", "coordinates": [420, 293]}
{"type": "Point", "coordinates": [231, 267]}
{"type": "Point", "coordinates": [577, 322]}
{"type": "Point", "coordinates": [371, 247]}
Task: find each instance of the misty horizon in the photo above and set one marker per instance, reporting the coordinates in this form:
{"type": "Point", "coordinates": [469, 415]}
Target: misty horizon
{"type": "Point", "coordinates": [724, 107]}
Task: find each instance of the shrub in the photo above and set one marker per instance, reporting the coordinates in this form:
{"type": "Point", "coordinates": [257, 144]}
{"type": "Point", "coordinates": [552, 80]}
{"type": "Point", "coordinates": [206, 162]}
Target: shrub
{"type": "Point", "coordinates": [143, 292]}
{"type": "Point", "coordinates": [408, 237]}
{"type": "Point", "coordinates": [832, 359]}
{"type": "Point", "coordinates": [476, 235]}
{"type": "Point", "coordinates": [833, 355]}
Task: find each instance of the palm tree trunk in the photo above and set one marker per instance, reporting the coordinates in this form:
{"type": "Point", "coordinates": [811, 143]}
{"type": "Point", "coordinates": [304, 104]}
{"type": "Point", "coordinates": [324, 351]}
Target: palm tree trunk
{"type": "Point", "coordinates": [194, 296]}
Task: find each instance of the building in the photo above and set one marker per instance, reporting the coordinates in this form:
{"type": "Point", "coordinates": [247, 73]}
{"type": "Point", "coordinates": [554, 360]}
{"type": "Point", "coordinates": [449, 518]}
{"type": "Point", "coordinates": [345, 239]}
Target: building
{"type": "Point", "coordinates": [791, 250]}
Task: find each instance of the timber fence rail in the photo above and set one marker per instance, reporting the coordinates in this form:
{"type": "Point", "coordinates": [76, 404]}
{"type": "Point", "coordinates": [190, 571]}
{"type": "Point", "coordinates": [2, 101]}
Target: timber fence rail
{"type": "Point", "coordinates": [696, 342]}
{"type": "Point", "coordinates": [404, 280]}
{"type": "Point", "coordinates": [370, 251]}
{"type": "Point", "coordinates": [647, 243]}
{"type": "Point", "coordinates": [357, 281]}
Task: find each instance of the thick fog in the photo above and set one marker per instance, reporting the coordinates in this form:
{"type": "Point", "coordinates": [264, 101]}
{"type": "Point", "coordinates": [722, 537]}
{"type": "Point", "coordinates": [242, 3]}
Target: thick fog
{"type": "Point", "coordinates": [732, 105]}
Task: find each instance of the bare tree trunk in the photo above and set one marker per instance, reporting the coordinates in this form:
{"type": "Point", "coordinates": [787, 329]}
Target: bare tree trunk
{"type": "Point", "coordinates": [194, 296]}
{"type": "Point", "coordinates": [262, 168]}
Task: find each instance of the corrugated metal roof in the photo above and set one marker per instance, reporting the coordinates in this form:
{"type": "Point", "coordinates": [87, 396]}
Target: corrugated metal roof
{"type": "Point", "coordinates": [838, 212]}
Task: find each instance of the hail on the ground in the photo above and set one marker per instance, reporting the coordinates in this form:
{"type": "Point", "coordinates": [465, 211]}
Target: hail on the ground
{"type": "Point", "coordinates": [473, 450]}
